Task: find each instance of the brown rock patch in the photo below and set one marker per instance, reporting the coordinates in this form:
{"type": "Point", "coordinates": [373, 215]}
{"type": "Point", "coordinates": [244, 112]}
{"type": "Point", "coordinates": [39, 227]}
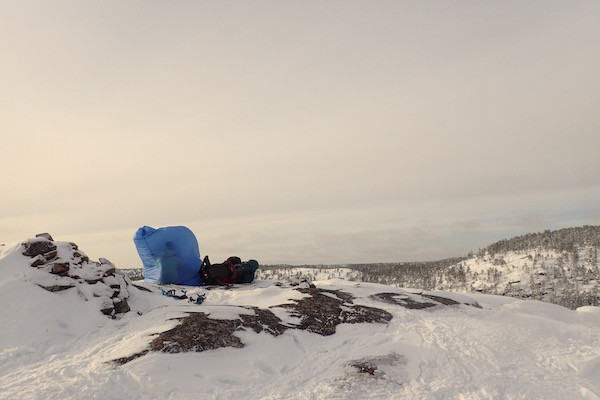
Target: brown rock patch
{"type": "Point", "coordinates": [319, 313]}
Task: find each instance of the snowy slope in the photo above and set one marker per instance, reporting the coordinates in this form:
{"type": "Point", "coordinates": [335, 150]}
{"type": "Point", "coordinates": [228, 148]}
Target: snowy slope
{"type": "Point", "coordinates": [60, 346]}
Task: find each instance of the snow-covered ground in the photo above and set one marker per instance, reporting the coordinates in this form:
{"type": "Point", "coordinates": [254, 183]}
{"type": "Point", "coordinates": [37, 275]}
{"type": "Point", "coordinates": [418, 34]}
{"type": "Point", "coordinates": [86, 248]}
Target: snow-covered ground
{"type": "Point", "coordinates": [57, 345]}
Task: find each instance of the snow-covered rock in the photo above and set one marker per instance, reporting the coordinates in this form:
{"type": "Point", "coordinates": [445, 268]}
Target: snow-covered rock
{"type": "Point", "coordinates": [57, 266]}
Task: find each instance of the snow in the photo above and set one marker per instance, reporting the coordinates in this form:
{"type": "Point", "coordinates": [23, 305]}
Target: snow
{"type": "Point", "coordinates": [59, 346]}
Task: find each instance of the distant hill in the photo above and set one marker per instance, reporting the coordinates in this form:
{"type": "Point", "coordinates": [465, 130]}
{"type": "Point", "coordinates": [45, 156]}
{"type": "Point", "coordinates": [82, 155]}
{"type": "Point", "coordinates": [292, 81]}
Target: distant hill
{"type": "Point", "coordinates": [560, 240]}
{"type": "Point", "coordinates": [558, 266]}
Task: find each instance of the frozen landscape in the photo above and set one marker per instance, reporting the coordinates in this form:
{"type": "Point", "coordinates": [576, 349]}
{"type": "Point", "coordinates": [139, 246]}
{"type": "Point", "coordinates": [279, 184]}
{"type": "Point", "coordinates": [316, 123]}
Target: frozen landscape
{"type": "Point", "coordinates": [367, 162]}
{"type": "Point", "coordinates": [559, 267]}
{"type": "Point", "coordinates": [77, 328]}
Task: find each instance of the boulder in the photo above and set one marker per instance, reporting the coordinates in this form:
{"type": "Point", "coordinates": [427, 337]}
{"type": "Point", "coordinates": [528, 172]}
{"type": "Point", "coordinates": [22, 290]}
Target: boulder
{"type": "Point", "coordinates": [35, 248]}
{"type": "Point", "coordinates": [45, 235]}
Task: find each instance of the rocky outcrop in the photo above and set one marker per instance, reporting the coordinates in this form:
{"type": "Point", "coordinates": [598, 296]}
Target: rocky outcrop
{"type": "Point", "coordinates": [323, 310]}
{"type": "Point", "coordinates": [320, 312]}
{"type": "Point", "coordinates": [418, 301]}
{"type": "Point", "coordinates": [63, 266]}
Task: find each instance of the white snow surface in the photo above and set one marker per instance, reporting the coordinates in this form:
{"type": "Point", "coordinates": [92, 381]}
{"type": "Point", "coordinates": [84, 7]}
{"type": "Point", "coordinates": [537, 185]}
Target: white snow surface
{"type": "Point", "coordinates": [59, 346]}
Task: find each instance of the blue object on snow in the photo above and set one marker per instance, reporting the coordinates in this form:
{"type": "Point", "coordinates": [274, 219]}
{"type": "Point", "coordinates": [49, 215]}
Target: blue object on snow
{"type": "Point", "coordinates": [169, 255]}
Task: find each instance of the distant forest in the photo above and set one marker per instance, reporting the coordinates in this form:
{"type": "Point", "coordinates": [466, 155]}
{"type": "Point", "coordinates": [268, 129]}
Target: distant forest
{"type": "Point", "coordinates": [561, 267]}
{"type": "Point", "coordinates": [567, 239]}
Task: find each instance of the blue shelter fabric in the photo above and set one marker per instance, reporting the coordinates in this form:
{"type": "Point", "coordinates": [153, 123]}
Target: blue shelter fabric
{"type": "Point", "coordinates": [169, 255]}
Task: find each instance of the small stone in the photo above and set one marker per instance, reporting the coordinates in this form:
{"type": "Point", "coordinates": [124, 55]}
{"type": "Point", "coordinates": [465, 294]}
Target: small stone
{"type": "Point", "coordinates": [110, 271]}
{"type": "Point", "coordinates": [126, 278]}
{"type": "Point", "coordinates": [57, 288]}
{"type": "Point", "coordinates": [107, 311]}
{"type": "Point", "coordinates": [60, 269]}
{"type": "Point", "coordinates": [106, 305]}
{"type": "Point", "coordinates": [50, 255]}
{"type": "Point", "coordinates": [121, 306]}
{"type": "Point", "coordinates": [39, 260]}
{"type": "Point", "coordinates": [365, 368]}
{"type": "Point", "coordinates": [45, 235]}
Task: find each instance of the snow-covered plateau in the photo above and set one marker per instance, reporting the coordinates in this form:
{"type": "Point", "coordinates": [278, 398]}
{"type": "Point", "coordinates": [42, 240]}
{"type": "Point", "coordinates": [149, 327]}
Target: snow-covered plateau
{"type": "Point", "coordinates": [72, 328]}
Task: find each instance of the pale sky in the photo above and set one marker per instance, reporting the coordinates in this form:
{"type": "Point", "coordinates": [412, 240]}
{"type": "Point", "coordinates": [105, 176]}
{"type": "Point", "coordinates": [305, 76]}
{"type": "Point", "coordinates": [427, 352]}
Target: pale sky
{"type": "Point", "coordinates": [299, 131]}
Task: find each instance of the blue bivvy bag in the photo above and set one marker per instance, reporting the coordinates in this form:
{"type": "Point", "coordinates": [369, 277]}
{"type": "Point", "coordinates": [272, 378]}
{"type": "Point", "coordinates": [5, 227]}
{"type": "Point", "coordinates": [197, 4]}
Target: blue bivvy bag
{"type": "Point", "coordinates": [169, 255]}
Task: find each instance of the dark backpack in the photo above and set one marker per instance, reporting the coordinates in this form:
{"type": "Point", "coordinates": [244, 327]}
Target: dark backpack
{"type": "Point", "coordinates": [219, 274]}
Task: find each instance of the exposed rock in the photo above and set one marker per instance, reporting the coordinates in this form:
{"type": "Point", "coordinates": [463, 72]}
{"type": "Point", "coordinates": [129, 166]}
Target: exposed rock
{"type": "Point", "coordinates": [403, 300]}
{"type": "Point", "coordinates": [107, 267]}
{"type": "Point", "coordinates": [38, 261]}
{"type": "Point", "coordinates": [263, 320]}
{"type": "Point", "coordinates": [144, 289]}
{"type": "Point", "coordinates": [365, 367]}
{"type": "Point", "coordinates": [417, 301]}
{"type": "Point", "coordinates": [323, 310]}
{"type": "Point", "coordinates": [84, 259]}
{"type": "Point", "coordinates": [376, 366]}
{"type": "Point", "coordinates": [320, 313]}
{"type": "Point", "coordinates": [445, 301]}
{"type": "Point", "coordinates": [45, 235]}
{"type": "Point", "coordinates": [121, 306]}
{"type": "Point", "coordinates": [197, 332]}
{"type": "Point", "coordinates": [122, 292]}
{"type": "Point", "coordinates": [35, 248]}
{"type": "Point", "coordinates": [60, 268]}
{"type": "Point", "coordinates": [106, 305]}
{"type": "Point", "coordinates": [125, 360]}
{"type": "Point", "coordinates": [126, 278]}
{"type": "Point", "coordinates": [50, 255]}
{"type": "Point", "coordinates": [57, 288]}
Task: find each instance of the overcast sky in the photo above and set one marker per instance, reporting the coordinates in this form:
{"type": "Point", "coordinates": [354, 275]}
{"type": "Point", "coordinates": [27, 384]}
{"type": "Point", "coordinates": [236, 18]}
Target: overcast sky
{"type": "Point", "coordinates": [299, 131]}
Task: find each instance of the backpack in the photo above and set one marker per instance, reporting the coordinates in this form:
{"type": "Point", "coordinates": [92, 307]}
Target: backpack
{"type": "Point", "coordinates": [219, 274]}
{"type": "Point", "coordinates": [233, 270]}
